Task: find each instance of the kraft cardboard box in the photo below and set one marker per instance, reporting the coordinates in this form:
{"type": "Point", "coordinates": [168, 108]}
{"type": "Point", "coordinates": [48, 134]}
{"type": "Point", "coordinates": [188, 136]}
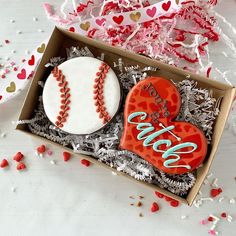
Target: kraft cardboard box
{"type": "Point", "coordinates": [62, 39]}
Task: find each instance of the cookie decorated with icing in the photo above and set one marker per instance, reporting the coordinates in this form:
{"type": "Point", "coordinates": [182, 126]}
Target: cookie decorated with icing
{"type": "Point", "coordinates": [81, 95]}
{"type": "Point", "coordinates": [150, 129]}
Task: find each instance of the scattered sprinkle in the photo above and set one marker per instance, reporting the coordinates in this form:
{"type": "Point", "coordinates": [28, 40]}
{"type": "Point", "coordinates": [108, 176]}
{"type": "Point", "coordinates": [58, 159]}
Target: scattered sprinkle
{"type": "Point", "coordinates": [35, 19]}
{"type": "Point", "coordinates": [160, 195]}
{"type": "Point", "coordinates": [223, 215]}
{"type": "Point", "coordinates": [6, 41]}
{"type": "Point", "coordinates": [203, 222]}
{"type": "Point", "coordinates": [141, 197]}
{"type": "Point", "coordinates": [184, 217]}
{"type": "Point", "coordinates": [140, 214]}
{"type": "Point", "coordinates": [20, 166]}
{"type": "Point", "coordinates": [174, 203]}
{"type": "Point", "coordinates": [18, 157]}
{"type": "Point", "coordinates": [53, 162]}
{"type": "Point", "coordinates": [131, 197]}
{"type": "Point", "coordinates": [85, 162]}
{"type": "Point", "coordinates": [215, 192]}
{"type": "Point", "coordinates": [13, 189]}
{"type": "Point", "coordinates": [12, 21]}
{"type": "Point", "coordinates": [3, 135]}
{"type": "Point", "coordinates": [19, 32]}
{"type": "Point", "coordinates": [40, 30]}
{"type": "Point", "coordinates": [4, 163]}
{"type": "Point", "coordinates": [232, 201]}
{"type": "Point", "coordinates": [114, 173]}
{"type": "Point", "coordinates": [49, 152]}
{"type": "Point", "coordinates": [139, 204]}
{"type": "Point", "coordinates": [41, 149]}
{"type": "Point", "coordinates": [154, 207]}
{"type": "Point", "coordinates": [66, 156]}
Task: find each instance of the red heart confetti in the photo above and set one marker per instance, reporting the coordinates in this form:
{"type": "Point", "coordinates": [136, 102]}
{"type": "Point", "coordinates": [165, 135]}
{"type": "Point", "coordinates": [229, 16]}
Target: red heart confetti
{"type": "Point", "coordinates": [175, 147]}
{"type": "Point", "coordinates": [174, 203]}
{"type": "Point", "coordinates": [154, 207]}
{"type": "Point", "coordinates": [85, 162]}
{"type": "Point", "coordinates": [66, 156]}
{"type": "Point", "coordinates": [20, 166]}
{"type": "Point", "coordinates": [215, 192]}
{"type": "Point", "coordinates": [100, 22]}
{"type": "Point", "coordinates": [210, 218]}
{"type": "Point", "coordinates": [72, 29]}
{"type": "Point", "coordinates": [151, 12]}
{"type": "Point", "coordinates": [166, 6]}
{"type": "Point", "coordinates": [0, 97]}
{"type": "Point", "coordinates": [41, 149]}
{"type": "Point", "coordinates": [22, 74]}
{"type": "Point", "coordinates": [4, 163]}
{"type": "Point", "coordinates": [118, 19]}
{"type": "Point", "coordinates": [160, 195]}
{"type": "Point", "coordinates": [223, 215]}
{"type": "Point", "coordinates": [18, 157]}
{"type": "Point", "coordinates": [31, 61]}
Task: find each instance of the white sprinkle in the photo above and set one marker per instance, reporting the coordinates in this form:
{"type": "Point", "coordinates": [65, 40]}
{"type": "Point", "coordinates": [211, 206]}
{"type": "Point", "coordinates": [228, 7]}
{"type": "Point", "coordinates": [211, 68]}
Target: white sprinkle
{"type": "Point", "coordinates": [53, 162]}
{"type": "Point", "coordinates": [41, 155]}
{"type": "Point", "coordinates": [35, 19]}
{"type": "Point", "coordinates": [40, 30]}
{"type": "Point", "coordinates": [13, 189]}
{"type": "Point", "coordinates": [19, 32]}
{"type": "Point", "coordinates": [232, 201]}
{"type": "Point", "coordinates": [221, 199]}
{"type": "Point", "coordinates": [188, 76]}
{"type": "Point", "coordinates": [27, 52]}
{"type": "Point", "coordinates": [214, 217]}
{"type": "Point", "coordinates": [0, 45]}
{"type": "Point", "coordinates": [12, 21]}
{"type": "Point", "coordinates": [3, 135]}
{"type": "Point", "coordinates": [13, 51]}
{"type": "Point", "coordinates": [209, 175]}
{"type": "Point", "coordinates": [36, 153]}
{"type": "Point", "coordinates": [184, 217]}
{"type": "Point", "coordinates": [206, 199]}
{"type": "Point", "coordinates": [7, 58]}
{"type": "Point", "coordinates": [206, 182]}
{"type": "Point", "coordinates": [214, 183]}
{"type": "Point", "coordinates": [114, 173]}
{"type": "Point", "coordinates": [200, 193]}
{"type": "Point", "coordinates": [213, 226]}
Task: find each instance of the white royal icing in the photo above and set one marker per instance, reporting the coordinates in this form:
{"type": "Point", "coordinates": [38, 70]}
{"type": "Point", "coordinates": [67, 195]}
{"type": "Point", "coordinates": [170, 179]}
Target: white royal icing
{"type": "Point", "coordinates": [80, 74]}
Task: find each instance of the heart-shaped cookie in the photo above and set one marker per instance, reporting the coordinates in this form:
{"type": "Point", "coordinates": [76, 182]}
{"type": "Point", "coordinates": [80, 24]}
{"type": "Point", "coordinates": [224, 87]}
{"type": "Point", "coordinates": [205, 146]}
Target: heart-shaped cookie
{"type": "Point", "coordinates": [150, 131]}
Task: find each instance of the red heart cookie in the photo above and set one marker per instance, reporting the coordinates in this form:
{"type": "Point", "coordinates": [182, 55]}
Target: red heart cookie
{"type": "Point", "coordinates": [174, 147]}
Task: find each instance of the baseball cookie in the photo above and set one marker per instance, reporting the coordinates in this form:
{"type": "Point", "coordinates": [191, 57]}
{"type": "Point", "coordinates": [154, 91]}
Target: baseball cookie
{"type": "Point", "coordinates": [150, 129]}
{"type": "Point", "coordinates": [81, 95]}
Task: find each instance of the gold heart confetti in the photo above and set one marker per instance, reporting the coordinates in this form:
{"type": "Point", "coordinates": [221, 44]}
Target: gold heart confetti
{"type": "Point", "coordinates": [85, 26]}
{"type": "Point", "coordinates": [135, 16]}
{"type": "Point", "coordinates": [11, 88]}
{"type": "Point", "coordinates": [41, 48]}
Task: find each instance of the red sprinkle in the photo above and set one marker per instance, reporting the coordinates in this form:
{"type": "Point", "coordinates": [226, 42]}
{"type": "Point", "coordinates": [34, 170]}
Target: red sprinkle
{"type": "Point", "coordinates": [155, 207]}
{"type": "Point", "coordinates": [168, 199]}
{"type": "Point", "coordinates": [20, 166]}
{"type": "Point", "coordinates": [3, 76]}
{"type": "Point", "coordinates": [66, 156]}
{"type": "Point", "coordinates": [4, 163]}
{"type": "Point", "coordinates": [174, 203]}
{"type": "Point", "coordinates": [7, 41]}
{"type": "Point", "coordinates": [215, 192]}
{"type": "Point", "coordinates": [18, 157]}
{"type": "Point", "coordinates": [223, 215]}
{"type": "Point", "coordinates": [41, 149]}
{"type": "Point", "coordinates": [210, 219]}
{"type": "Point", "coordinates": [160, 195]}
{"type": "Point", "coordinates": [85, 162]}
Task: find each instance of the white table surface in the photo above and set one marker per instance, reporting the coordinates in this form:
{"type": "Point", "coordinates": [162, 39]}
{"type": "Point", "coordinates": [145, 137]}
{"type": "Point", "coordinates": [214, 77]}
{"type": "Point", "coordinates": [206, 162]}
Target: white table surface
{"type": "Point", "coordinates": [69, 199]}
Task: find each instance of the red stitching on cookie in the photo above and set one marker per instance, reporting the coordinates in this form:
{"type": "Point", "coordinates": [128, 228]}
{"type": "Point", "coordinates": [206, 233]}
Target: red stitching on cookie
{"type": "Point", "coordinates": [65, 97]}
{"type": "Point", "coordinates": [99, 93]}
